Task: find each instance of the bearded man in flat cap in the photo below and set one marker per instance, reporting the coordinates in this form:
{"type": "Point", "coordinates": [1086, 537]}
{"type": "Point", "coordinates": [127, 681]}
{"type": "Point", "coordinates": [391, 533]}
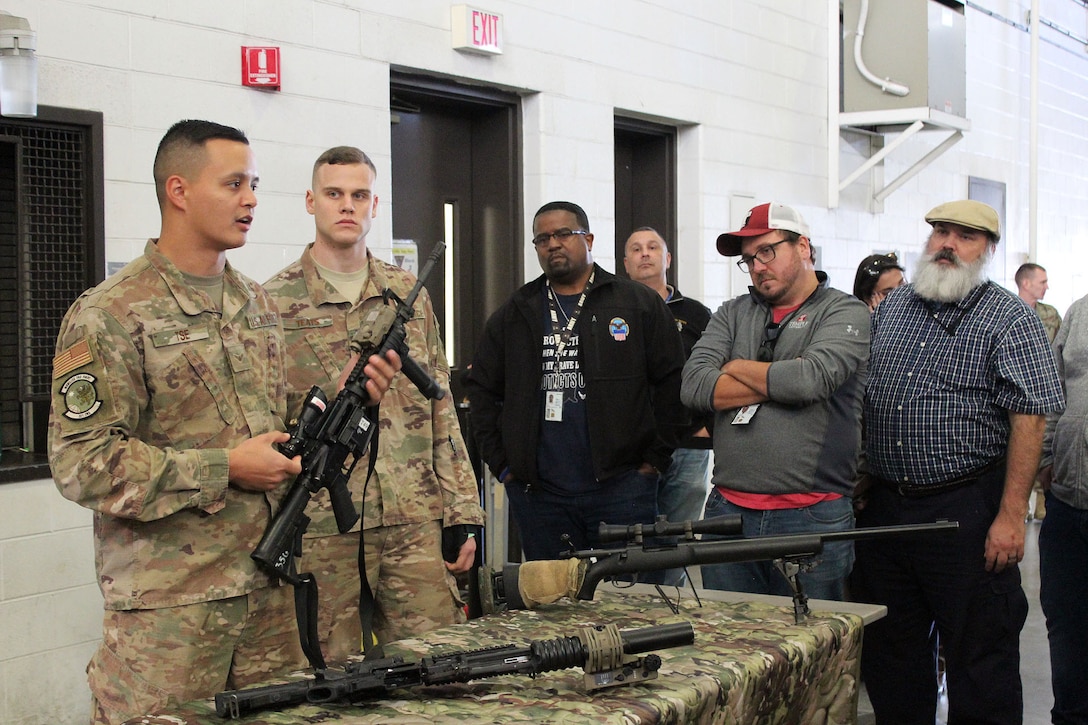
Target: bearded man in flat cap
{"type": "Point", "coordinates": [961, 378]}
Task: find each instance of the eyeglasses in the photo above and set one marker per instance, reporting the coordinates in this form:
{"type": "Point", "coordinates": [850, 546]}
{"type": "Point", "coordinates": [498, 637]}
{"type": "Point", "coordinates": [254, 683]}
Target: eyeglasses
{"type": "Point", "coordinates": [770, 339]}
{"type": "Point", "coordinates": [880, 264]}
{"type": "Point", "coordinates": [561, 235]}
{"type": "Point", "coordinates": [765, 255]}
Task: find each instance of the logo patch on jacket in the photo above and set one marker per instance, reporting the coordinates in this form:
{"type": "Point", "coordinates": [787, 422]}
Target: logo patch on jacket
{"type": "Point", "coordinates": [80, 396]}
{"type": "Point", "coordinates": [617, 327]}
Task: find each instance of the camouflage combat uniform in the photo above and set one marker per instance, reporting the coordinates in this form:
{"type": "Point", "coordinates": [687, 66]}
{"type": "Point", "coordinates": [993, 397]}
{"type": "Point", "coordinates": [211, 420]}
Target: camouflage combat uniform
{"type": "Point", "coordinates": [422, 479]}
{"type": "Point", "coordinates": [151, 387]}
{"type": "Point", "coordinates": [1050, 317]}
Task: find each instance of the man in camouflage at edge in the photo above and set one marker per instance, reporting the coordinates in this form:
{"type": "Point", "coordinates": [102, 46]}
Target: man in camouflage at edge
{"type": "Point", "coordinates": [168, 400]}
{"type": "Point", "coordinates": [423, 486]}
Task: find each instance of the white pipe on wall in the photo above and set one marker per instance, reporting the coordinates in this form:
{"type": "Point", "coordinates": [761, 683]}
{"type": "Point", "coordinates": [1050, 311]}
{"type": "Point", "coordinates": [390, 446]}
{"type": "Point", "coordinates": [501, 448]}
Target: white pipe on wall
{"type": "Point", "coordinates": [886, 84]}
{"type": "Point", "coordinates": [1033, 142]}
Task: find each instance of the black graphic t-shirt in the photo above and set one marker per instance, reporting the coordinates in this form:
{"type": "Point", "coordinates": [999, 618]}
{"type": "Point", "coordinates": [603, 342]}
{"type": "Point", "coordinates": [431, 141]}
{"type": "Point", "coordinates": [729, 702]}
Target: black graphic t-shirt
{"type": "Point", "coordinates": [563, 458]}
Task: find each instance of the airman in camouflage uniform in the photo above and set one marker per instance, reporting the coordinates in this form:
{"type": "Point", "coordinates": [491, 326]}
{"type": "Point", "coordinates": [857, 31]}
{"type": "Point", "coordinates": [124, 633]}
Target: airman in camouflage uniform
{"type": "Point", "coordinates": [422, 480]}
{"type": "Point", "coordinates": [168, 400]}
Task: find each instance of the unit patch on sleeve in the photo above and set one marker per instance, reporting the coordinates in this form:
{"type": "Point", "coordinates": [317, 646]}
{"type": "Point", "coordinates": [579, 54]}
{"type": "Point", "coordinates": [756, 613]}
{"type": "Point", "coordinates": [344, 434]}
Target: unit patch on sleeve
{"type": "Point", "coordinates": [80, 396]}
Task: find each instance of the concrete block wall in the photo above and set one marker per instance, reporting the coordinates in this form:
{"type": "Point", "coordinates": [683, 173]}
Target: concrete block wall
{"type": "Point", "coordinates": [745, 81]}
{"type": "Point", "coordinates": [50, 606]}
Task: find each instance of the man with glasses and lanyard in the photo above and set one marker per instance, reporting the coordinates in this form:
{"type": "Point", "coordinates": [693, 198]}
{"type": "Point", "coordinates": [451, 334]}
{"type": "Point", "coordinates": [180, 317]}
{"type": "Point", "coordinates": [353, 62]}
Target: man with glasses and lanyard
{"type": "Point", "coordinates": [575, 393]}
{"type": "Point", "coordinates": [783, 368]}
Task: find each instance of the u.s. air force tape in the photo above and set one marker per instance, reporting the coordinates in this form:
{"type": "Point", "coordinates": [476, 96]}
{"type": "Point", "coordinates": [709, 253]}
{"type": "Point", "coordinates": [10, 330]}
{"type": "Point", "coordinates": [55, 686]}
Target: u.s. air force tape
{"type": "Point", "coordinates": [80, 396]}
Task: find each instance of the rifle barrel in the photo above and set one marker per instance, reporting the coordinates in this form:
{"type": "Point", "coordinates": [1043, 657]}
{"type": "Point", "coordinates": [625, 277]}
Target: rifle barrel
{"type": "Point", "coordinates": [880, 532]}
{"type": "Point", "coordinates": [639, 559]}
{"type": "Point", "coordinates": [636, 641]}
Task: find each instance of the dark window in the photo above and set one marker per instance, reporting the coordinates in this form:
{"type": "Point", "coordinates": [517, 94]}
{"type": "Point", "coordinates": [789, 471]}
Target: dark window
{"type": "Point", "coordinates": [51, 250]}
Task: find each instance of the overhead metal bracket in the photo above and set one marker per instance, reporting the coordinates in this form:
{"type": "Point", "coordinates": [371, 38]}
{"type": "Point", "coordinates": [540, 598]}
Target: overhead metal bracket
{"type": "Point", "coordinates": [906, 122]}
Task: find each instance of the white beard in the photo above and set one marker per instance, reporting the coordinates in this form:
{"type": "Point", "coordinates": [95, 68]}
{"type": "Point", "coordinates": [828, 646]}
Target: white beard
{"type": "Point", "coordinates": [941, 283]}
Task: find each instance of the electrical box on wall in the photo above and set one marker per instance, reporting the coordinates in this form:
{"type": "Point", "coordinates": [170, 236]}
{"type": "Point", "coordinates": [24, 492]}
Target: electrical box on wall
{"type": "Point", "coordinates": [912, 55]}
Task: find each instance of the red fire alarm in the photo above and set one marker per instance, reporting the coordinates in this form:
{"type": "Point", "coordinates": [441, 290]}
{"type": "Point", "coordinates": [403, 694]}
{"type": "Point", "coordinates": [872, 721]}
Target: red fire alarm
{"type": "Point", "coordinates": [261, 67]}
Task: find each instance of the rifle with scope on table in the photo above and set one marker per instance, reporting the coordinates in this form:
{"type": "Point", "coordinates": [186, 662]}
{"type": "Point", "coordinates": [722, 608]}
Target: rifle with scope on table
{"type": "Point", "coordinates": [578, 573]}
{"type": "Point", "coordinates": [606, 653]}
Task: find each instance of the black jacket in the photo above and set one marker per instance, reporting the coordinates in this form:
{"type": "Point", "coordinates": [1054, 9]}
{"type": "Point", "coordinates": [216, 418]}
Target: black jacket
{"type": "Point", "coordinates": [632, 385]}
{"type": "Point", "coordinates": [692, 317]}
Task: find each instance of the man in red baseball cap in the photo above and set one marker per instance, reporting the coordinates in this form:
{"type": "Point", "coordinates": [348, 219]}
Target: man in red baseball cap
{"type": "Point", "coordinates": [761, 220]}
{"type": "Point", "coordinates": [783, 368]}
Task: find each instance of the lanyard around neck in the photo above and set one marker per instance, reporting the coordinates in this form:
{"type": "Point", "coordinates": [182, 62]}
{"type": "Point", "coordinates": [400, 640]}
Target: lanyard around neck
{"type": "Point", "coordinates": [560, 331]}
{"type": "Point", "coordinates": [968, 305]}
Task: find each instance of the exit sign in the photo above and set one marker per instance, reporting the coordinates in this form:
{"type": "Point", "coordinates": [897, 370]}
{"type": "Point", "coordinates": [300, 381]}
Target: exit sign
{"type": "Point", "coordinates": [475, 30]}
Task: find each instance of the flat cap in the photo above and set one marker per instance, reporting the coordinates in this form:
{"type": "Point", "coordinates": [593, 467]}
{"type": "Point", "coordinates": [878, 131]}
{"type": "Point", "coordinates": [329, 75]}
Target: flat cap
{"type": "Point", "coordinates": [968, 213]}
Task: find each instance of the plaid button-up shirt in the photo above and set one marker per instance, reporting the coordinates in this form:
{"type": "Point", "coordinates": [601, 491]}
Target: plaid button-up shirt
{"type": "Point", "coordinates": [944, 377]}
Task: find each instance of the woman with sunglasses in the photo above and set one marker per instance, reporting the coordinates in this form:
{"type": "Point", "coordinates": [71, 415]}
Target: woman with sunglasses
{"type": "Point", "coordinates": [878, 274]}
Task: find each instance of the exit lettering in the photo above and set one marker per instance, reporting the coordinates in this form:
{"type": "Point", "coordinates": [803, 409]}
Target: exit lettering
{"type": "Point", "coordinates": [475, 30]}
{"type": "Point", "coordinates": [485, 29]}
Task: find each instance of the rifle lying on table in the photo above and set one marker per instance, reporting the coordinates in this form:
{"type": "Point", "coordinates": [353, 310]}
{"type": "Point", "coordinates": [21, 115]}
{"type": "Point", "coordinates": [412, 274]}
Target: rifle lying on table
{"type": "Point", "coordinates": [331, 438]}
{"type": "Point", "coordinates": [579, 572]}
{"type": "Point", "coordinates": [604, 652]}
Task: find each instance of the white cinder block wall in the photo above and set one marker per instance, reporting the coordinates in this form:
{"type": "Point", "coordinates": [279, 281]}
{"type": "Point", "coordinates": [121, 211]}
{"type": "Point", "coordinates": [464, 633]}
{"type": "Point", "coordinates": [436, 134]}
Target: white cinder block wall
{"type": "Point", "coordinates": [50, 606]}
{"type": "Point", "coordinates": [745, 80]}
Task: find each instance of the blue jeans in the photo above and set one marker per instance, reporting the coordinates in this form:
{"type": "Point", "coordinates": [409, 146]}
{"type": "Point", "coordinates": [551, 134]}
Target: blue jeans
{"type": "Point", "coordinates": [681, 495]}
{"type": "Point", "coordinates": [543, 517]}
{"type": "Point", "coordinates": [1063, 592]}
{"type": "Point", "coordinates": [825, 581]}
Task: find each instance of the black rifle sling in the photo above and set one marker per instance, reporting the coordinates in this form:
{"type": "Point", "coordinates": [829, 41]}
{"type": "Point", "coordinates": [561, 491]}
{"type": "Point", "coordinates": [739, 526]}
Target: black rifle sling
{"type": "Point", "coordinates": [366, 594]}
{"type": "Point", "coordinates": [306, 614]}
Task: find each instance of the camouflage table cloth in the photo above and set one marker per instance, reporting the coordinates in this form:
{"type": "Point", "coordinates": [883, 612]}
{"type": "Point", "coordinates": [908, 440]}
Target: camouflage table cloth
{"type": "Point", "coordinates": [749, 664]}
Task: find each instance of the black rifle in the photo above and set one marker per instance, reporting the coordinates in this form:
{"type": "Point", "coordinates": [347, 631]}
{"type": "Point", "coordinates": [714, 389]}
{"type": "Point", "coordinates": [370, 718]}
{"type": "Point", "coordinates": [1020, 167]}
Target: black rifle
{"type": "Point", "coordinates": [326, 436]}
{"type": "Point", "coordinates": [602, 651]}
{"type": "Point", "coordinates": [792, 554]}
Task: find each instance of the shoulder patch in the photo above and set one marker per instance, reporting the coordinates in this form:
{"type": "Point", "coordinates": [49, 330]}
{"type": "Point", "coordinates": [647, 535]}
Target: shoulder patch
{"type": "Point", "coordinates": [74, 357]}
{"type": "Point", "coordinates": [80, 396]}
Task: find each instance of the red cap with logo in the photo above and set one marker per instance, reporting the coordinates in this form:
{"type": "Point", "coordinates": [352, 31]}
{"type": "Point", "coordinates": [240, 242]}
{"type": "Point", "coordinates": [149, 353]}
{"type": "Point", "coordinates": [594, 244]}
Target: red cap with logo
{"type": "Point", "coordinates": [761, 220]}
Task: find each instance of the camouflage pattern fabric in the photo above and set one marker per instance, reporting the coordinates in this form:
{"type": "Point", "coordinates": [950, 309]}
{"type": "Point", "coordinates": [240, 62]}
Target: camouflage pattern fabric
{"type": "Point", "coordinates": [414, 591]}
{"type": "Point", "coordinates": [750, 665]}
{"type": "Point", "coordinates": [422, 473]}
{"type": "Point", "coordinates": [151, 386]}
{"type": "Point", "coordinates": [407, 579]}
{"type": "Point", "coordinates": [1050, 318]}
{"type": "Point", "coordinates": [151, 659]}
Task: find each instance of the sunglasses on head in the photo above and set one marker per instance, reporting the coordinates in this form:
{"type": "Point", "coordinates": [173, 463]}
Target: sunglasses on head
{"type": "Point", "coordinates": [880, 264]}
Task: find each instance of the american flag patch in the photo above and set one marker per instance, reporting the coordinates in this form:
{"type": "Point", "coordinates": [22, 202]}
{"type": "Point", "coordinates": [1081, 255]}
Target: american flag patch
{"type": "Point", "coordinates": [74, 357]}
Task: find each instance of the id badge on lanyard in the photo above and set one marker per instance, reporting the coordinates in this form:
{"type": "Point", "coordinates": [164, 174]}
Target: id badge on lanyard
{"type": "Point", "coordinates": [553, 399]}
